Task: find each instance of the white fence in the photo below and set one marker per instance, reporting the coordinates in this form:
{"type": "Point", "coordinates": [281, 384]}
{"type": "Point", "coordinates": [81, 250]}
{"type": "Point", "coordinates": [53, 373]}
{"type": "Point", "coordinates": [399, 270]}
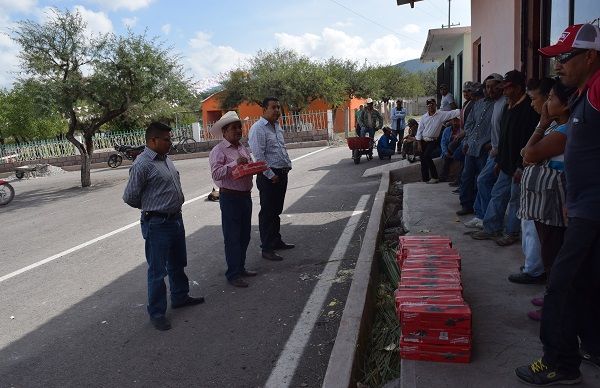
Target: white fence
{"type": "Point", "coordinates": [45, 149]}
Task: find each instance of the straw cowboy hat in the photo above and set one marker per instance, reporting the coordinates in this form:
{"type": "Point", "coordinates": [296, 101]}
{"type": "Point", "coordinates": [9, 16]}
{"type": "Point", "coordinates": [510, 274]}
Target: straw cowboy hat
{"type": "Point", "coordinates": [217, 128]}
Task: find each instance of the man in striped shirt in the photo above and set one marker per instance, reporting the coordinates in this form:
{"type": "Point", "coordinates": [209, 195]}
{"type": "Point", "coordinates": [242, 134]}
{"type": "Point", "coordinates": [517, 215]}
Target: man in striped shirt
{"type": "Point", "coordinates": [155, 188]}
{"type": "Point", "coordinates": [267, 143]}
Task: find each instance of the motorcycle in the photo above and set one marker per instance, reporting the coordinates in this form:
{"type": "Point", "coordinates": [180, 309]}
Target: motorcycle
{"type": "Point", "coordinates": [128, 151]}
{"type": "Point", "coordinates": [7, 193]}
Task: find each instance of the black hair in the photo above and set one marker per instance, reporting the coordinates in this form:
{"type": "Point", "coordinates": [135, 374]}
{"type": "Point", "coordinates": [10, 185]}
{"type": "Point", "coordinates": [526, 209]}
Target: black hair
{"type": "Point", "coordinates": [412, 121]}
{"type": "Point", "coordinates": [542, 86]}
{"type": "Point", "coordinates": [156, 129]}
{"type": "Point", "coordinates": [265, 102]}
{"type": "Point", "coordinates": [562, 92]}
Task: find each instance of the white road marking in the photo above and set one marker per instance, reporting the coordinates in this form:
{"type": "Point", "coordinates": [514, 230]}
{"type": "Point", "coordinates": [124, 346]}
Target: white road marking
{"type": "Point", "coordinates": [107, 235]}
{"type": "Point", "coordinates": [284, 370]}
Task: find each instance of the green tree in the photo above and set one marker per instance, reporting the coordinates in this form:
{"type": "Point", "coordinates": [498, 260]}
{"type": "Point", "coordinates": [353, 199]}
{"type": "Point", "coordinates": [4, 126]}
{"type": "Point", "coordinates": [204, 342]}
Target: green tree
{"type": "Point", "coordinates": [26, 114]}
{"type": "Point", "coordinates": [94, 80]}
{"type": "Point", "coordinates": [429, 81]}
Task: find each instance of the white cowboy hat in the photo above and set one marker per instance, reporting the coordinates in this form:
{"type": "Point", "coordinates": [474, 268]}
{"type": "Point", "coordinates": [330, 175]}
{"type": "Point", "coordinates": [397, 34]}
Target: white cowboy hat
{"type": "Point", "coordinates": [369, 100]}
{"type": "Point", "coordinates": [217, 128]}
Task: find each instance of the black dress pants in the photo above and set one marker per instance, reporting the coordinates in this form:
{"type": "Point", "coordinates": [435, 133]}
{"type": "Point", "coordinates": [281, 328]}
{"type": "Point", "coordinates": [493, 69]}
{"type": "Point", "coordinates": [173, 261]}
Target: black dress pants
{"type": "Point", "coordinates": [571, 303]}
{"type": "Point", "coordinates": [272, 196]}
{"type": "Point", "coordinates": [427, 165]}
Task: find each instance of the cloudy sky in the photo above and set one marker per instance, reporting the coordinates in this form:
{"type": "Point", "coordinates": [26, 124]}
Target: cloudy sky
{"type": "Point", "coordinates": [215, 36]}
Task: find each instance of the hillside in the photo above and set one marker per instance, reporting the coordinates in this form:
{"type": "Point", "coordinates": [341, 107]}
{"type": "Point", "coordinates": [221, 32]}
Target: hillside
{"type": "Point", "coordinates": [415, 65]}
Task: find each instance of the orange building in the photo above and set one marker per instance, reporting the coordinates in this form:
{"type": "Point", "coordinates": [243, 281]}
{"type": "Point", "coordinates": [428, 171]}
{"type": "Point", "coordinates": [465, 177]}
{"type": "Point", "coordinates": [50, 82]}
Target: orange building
{"type": "Point", "coordinates": [211, 110]}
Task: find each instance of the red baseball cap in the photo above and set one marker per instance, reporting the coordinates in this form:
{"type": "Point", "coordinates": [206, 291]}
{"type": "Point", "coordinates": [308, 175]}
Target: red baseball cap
{"type": "Point", "coordinates": [582, 36]}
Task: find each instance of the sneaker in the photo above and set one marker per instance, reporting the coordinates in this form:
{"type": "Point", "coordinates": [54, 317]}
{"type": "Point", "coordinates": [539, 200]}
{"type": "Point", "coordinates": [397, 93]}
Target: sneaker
{"type": "Point", "coordinates": [539, 302]}
{"type": "Point", "coordinates": [474, 223]}
{"type": "Point", "coordinates": [541, 375]}
{"type": "Point", "coordinates": [589, 358]}
{"type": "Point", "coordinates": [525, 278]}
{"type": "Point", "coordinates": [454, 184]}
{"type": "Point", "coordinates": [433, 180]}
{"type": "Point", "coordinates": [535, 315]}
{"type": "Point", "coordinates": [457, 191]}
{"type": "Point", "coordinates": [483, 235]}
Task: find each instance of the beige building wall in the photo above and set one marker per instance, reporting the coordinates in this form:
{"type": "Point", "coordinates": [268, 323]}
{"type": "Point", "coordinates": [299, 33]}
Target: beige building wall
{"type": "Point", "coordinates": [497, 23]}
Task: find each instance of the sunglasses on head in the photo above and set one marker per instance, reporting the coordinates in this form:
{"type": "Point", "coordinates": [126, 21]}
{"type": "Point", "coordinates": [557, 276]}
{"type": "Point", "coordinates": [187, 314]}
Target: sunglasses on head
{"type": "Point", "coordinates": [566, 57]}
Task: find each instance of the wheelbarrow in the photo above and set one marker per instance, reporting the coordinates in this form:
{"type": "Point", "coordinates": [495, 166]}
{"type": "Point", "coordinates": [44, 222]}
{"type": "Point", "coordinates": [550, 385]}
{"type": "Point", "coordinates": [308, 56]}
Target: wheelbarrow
{"type": "Point", "coordinates": [360, 146]}
{"type": "Point", "coordinates": [30, 170]}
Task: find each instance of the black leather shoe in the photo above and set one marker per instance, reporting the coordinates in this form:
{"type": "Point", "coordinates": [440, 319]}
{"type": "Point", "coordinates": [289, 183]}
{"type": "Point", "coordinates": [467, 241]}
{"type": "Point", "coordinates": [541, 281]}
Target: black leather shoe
{"type": "Point", "coordinates": [283, 245]}
{"type": "Point", "coordinates": [525, 278]}
{"type": "Point", "coordinates": [239, 282]}
{"type": "Point", "coordinates": [270, 255]}
{"type": "Point", "coordinates": [189, 301]}
{"type": "Point", "coordinates": [464, 212]}
{"type": "Point", "coordinates": [249, 274]}
{"type": "Point", "coordinates": [161, 323]}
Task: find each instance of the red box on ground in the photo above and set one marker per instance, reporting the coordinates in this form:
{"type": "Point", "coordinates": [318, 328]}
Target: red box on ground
{"type": "Point", "coordinates": [429, 272]}
{"type": "Point", "coordinates": [437, 316]}
{"type": "Point", "coordinates": [249, 169]}
{"type": "Point", "coordinates": [407, 277]}
{"type": "Point", "coordinates": [441, 353]}
{"type": "Point", "coordinates": [435, 336]}
{"type": "Point", "coordinates": [420, 264]}
{"type": "Point", "coordinates": [410, 298]}
{"type": "Point", "coordinates": [409, 240]}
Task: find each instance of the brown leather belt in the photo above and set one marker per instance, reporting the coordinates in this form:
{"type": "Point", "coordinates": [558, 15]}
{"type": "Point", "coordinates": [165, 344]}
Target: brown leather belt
{"type": "Point", "coordinates": [234, 192]}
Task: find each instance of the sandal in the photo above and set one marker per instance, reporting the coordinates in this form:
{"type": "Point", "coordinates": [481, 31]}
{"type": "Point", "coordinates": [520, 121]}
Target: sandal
{"type": "Point", "coordinates": [507, 239]}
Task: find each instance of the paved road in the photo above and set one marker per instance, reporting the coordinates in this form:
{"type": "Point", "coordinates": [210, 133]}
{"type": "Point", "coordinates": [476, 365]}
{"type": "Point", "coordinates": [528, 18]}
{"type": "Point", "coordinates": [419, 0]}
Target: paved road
{"type": "Point", "coordinates": [79, 320]}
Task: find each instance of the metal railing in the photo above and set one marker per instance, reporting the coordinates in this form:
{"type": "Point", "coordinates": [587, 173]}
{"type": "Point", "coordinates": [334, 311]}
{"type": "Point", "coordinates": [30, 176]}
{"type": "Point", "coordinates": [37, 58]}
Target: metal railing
{"type": "Point", "coordinates": [47, 149]}
{"type": "Point", "coordinates": [303, 122]}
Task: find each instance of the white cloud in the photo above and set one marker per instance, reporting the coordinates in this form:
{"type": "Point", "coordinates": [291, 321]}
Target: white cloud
{"type": "Point", "coordinates": [208, 60]}
{"type": "Point", "coordinates": [346, 23]}
{"type": "Point", "coordinates": [97, 22]}
{"type": "Point", "coordinates": [387, 49]}
{"type": "Point", "coordinates": [130, 22]}
{"type": "Point", "coordinates": [411, 29]}
{"type": "Point", "coordinates": [17, 5]}
{"type": "Point", "coordinates": [9, 50]}
{"type": "Point", "coordinates": [166, 29]}
{"type": "Point", "coordinates": [131, 5]}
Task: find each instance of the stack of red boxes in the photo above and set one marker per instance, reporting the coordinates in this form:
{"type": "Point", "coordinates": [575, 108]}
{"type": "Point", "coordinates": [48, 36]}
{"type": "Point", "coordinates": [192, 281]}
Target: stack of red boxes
{"type": "Point", "coordinates": [249, 169]}
{"type": "Point", "coordinates": [435, 319]}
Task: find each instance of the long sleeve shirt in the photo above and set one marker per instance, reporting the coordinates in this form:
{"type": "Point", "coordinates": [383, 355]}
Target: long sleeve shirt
{"type": "Point", "coordinates": [387, 142]}
{"type": "Point", "coordinates": [223, 158]}
{"type": "Point", "coordinates": [499, 106]}
{"type": "Point", "coordinates": [397, 117]}
{"type": "Point", "coordinates": [267, 143]}
{"type": "Point", "coordinates": [370, 119]}
{"type": "Point", "coordinates": [478, 126]}
{"type": "Point", "coordinates": [154, 184]}
{"type": "Point", "coordinates": [431, 125]}
{"type": "Point", "coordinates": [516, 127]}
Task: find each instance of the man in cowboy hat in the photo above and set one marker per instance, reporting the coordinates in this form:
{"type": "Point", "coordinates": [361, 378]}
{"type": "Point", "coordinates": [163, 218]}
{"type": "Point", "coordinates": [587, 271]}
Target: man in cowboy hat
{"type": "Point", "coordinates": [571, 307]}
{"type": "Point", "coordinates": [370, 120]}
{"type": "Point", "coordinates": [234, 196]}
{"type": "Point", "coordinates": [267, 143]}
{"type": "Point", "coordinates": [155, 188]}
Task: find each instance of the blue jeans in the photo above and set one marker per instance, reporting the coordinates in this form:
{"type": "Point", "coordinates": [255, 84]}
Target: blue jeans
{"type": "Point", "coordinates": [532, 249]}
{"type": "Point", "coordinates": [505, 194]}
{"type": "Point", "coordinates": [236, 216]}
{"type": "Point", "coordinates": [473, 165]}
{"type": "Point", "coordinates": [166, 255]}
{"type": "Point", "coordinates": [385, 152]}
{"type": "Point", "coordinates": [485, 182]}
{"type": "Point", "coordinates": [370, 131]}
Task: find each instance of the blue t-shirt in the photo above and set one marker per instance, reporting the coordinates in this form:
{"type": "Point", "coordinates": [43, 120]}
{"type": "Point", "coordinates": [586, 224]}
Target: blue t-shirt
{"type": "Point", "coordinates": [557, 162]}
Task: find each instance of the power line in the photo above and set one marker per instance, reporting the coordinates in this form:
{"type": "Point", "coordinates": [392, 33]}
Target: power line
{"type": "Point", "coordinates": [374, 22]}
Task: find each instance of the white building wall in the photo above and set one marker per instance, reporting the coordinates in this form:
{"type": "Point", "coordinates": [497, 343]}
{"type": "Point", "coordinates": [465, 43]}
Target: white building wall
{"type": "Point", "coordinates": [497, 23]}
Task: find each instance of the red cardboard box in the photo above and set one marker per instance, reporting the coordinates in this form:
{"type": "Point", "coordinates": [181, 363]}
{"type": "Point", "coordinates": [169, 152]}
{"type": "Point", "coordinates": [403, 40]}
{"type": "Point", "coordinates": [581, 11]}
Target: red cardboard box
{"type": "Point", "coordinates": [424, 239]}
{"type": "Point", "coordinates": [437, 316]}
{"type": "Point", "coordinates": [441, 353]}
{"type": "Point", "coordinates": [409, 298]}
{"type": "Point", "coordinates": [429, 272]}
{"type": "Point", "coordinates": [249, 169]}
{"type": "Point", "coordinates": [435, 336]}
{"type": "Point", "coordinates": [408, 277]}
{"type": "Point", "coordinates": [420, 264]}
{"type": "Point", "coordinates": [424, 286]}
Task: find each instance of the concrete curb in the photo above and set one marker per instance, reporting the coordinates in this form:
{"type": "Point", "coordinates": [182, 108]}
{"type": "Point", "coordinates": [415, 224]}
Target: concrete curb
{"type": "Point", "coordinates": [352, 338]}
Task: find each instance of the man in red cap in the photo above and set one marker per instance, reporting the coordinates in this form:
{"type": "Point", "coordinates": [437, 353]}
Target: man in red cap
{"type": "Point", "coordinates": [571, 306]}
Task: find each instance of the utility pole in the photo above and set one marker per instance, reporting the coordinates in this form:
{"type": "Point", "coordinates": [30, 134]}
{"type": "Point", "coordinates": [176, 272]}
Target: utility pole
{"type": "Point", "coordinates": [449, 24]}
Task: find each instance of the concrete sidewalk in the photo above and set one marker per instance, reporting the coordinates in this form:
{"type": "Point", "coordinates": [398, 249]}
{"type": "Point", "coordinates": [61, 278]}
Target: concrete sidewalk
{"type": "Point", "coordinates": [503, 336]}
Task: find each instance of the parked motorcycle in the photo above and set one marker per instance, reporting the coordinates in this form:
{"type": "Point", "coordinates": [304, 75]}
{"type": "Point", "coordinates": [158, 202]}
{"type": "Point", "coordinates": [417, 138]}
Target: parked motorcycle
{"type": "Point", "coordinates": [7, 193]}
{"type": "Point", "coordinates": [128, 151]}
